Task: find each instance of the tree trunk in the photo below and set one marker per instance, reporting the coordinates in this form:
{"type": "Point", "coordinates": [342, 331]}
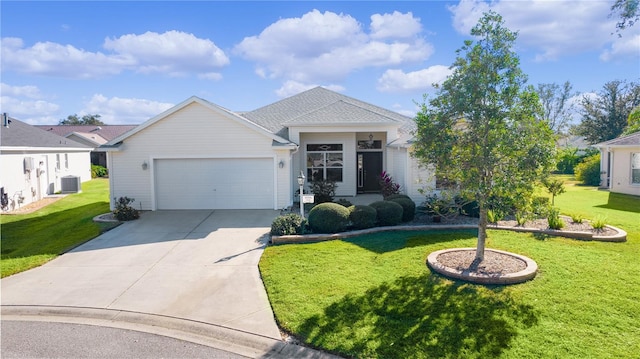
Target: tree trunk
{"type": "Point", "coordinates": [482, 233]}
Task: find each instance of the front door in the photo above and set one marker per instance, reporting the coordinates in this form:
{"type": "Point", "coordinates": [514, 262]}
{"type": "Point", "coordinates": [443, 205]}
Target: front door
{"type": "Point", "coordinates": [369, 170]}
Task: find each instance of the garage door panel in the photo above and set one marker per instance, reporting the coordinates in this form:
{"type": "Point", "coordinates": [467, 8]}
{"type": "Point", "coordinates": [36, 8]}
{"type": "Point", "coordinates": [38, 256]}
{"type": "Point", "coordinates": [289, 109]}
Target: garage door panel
{"type": "Point", "coordinates": [214, 183]}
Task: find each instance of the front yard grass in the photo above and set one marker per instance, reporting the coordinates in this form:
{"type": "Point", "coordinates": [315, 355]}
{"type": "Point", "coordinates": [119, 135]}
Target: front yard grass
{"type": "Point", "coordinates": [30, 240]}
{"type": "Point", "coordinates": [374, 297]}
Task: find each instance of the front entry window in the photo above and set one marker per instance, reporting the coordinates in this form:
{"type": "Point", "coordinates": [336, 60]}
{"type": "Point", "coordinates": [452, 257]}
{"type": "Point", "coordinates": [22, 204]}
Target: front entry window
{"type": "Point", "coordinates": [325, 162]}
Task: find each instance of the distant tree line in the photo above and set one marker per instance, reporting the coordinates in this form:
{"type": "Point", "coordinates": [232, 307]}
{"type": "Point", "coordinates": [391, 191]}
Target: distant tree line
{"type": "Point", "coordinates": [84, 120]}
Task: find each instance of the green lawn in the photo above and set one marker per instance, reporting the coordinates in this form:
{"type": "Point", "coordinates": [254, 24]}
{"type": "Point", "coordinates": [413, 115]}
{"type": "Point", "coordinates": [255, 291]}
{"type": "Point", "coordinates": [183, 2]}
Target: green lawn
{"type": "Point", "coordinates": [31, 240]}
{"type": "Point", "coordinates": [374, 297]}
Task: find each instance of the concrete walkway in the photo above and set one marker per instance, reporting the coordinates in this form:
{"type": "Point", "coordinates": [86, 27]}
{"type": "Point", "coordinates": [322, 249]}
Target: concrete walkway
{"type": "Point", "coordinates": [193, 272]}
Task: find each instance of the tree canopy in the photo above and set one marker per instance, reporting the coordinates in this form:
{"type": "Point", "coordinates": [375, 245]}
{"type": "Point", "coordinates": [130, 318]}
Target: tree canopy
{"type": "Point", "coordinates": [85, 120]}
{"type": "Point", "coordinates": [483, 128]}
{"type": "Point", "coordinates": [555, 105]}
{"type": "Point", "coordinates": [627, 11]}
{"type": "Point", "coordinates": [605, 116]}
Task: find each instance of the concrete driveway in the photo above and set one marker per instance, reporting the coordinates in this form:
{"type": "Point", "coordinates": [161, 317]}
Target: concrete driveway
{"type": "Point", "coordinates": [195, 266]}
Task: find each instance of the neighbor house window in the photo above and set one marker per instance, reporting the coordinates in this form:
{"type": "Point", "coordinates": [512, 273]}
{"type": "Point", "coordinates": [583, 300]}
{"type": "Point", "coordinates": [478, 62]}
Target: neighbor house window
{"type": "Point", "coordinates": [66, 160]}
{"type": "Point", "coordinates": [324, 162]}
{"type": "Point", "coordinates": [57, 161]}
{"type": "Point", "coordinates": [635, 168]}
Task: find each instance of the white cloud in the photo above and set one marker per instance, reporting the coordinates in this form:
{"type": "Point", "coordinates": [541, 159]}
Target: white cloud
{"type": "Point", "coordinates": [552, 28]}
{"type": "Point", "coordinates": [396, 25]}
{"type": "Point", "coordinates": [172, 53]}
{"type": "Point", "coordinates": [51, 59]}
{"type": "Point", "coordinates": [325, 47]}
{"type": "Point", "coordinates": [35, 112]}
{"type": "Point", "coordinates": [212, 76]}
{"type": "Point", "coordinates": [32, 92]}
{"type": "Point", "coordinates": [398, 80]}
{"type": "Point", "coordinates": [625, 46]}
{"type": "Point", "coordinates": [116, 110]}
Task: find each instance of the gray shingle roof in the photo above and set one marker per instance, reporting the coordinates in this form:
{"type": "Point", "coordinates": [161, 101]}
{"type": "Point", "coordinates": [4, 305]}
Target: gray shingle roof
{"type": "Point", "coordinates": [20, 134]}
{"type": "Point", "coordinates": [319, 106]}
{"type": "Point", "coordinates": [630, 140]}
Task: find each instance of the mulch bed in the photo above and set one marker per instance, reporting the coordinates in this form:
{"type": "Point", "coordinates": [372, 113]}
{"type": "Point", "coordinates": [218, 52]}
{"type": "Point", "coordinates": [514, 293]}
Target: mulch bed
{"type": "Point", "coordinates": [34, 206]}
{"type": "Point", "coordinates": [493, 264]}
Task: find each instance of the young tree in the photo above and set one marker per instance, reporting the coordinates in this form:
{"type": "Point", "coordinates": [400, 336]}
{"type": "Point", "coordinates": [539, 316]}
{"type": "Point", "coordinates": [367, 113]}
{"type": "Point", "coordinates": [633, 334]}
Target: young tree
{"type": "Point", "coordinates": [482, 128]}
{"type": "Point", "coordinates": [555, 105]}
{"type": "Point", "coordinates": [633, 122]}
{"type": "Point", "coordinates": [606, 116]}
{"type": "Point", "coordinates": [86, 120]}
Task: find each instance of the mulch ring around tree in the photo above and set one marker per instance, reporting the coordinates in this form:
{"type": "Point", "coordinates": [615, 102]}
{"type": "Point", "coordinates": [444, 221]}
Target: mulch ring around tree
{"type": "Point", "coordinates": [497, 267]}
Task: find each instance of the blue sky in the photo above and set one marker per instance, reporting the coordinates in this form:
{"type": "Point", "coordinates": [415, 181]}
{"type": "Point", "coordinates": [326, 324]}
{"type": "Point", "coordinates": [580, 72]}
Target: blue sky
{"type": "Point", "coordinates": [129, 61]}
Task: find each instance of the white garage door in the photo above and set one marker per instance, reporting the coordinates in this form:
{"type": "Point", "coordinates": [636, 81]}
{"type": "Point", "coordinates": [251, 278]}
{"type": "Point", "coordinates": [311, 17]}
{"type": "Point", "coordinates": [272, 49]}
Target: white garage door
{"type": "Point", "coordinates": [245, 183]}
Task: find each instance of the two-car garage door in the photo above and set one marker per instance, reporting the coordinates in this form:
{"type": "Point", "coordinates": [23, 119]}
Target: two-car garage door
{"type": "Point", "coordinates": [214, 183]}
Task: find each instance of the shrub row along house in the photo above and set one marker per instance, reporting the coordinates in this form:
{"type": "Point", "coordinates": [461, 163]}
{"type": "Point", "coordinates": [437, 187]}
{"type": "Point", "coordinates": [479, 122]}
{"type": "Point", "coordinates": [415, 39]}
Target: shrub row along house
{"type": "Point", "coordinates": [198, 155]}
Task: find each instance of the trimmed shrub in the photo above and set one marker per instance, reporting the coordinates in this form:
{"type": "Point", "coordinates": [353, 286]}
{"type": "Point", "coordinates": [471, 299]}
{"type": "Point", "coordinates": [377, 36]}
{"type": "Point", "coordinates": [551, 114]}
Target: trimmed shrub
{"type": "Point", "coordinates": [394, 196]}
{"type": "Point", "coordinates": [288, 224]}
{"type": "Point", "coordinates": [123, 211]}
{"type": "Point", "coordinates": [344, 202]}
{"type": "Point", "coordinates": [388, 213]}
{"type": "Point", "coordinates": [363, 217]}
{"type": "Point", "coordinates": [328, 217]}
{"type": "Point", "coordinates": [408, 208]}
{"type": "Point", "coordinates": [588, 172]}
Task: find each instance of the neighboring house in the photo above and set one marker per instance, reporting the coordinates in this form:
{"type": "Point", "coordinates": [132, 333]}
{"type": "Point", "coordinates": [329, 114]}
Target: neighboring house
{"type": "Point", "coordinates": [35, 163]}
{"type": "Point", "coordinates": [198, 155]}
{"type": "Point", "coordinates": [90, 135]}
{"type": "Point", "coordinates": [620, 164]}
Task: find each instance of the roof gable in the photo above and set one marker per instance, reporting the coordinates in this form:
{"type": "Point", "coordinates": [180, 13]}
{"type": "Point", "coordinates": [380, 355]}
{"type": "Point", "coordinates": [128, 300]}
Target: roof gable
{"type": "Point", "coordinates": [228, 114]}
{"type": "Point", "coordinates": [21, 134]}
{"type": "Point", "coordinates": [306, 107]}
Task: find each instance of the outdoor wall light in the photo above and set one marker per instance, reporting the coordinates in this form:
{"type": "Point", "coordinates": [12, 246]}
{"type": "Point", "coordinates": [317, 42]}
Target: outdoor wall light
{"type": "Point", "coordinates": [281, 164]}
{"type": "Point", "coordinates": [145, 165]}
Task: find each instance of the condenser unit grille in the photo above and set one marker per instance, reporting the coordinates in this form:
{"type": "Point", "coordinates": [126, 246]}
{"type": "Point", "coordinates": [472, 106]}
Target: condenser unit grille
{"type": "Point", "coordinates": [70, 184]}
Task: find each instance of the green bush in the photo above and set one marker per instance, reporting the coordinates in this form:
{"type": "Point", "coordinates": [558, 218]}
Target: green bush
{"type": "Point", "coordinates": [328, 217]}
{"type": "Point", "coordinates": [588, 172]}
{"type": "Point", "coordinates": [123, 211]}
{"type": "Point", "coordinates": [555, 222]}
{"type": "Point", "coordinates": [388, 213]}
{"type": "Point", "coordinates": [98, 171]}
{"type": "Point", "coordinates": [397, 195]}
{"type": "Point", "coordinates": [323, 191]}
{"type": "Point", "coordinates": [363, 217]}
{"type": "Point", "coordinates": [344, 202]}
{"type": "Point", "coordinates": [288, 224]}
{"type": "Point", "coordinates": [540, 206]}
{"type": "Point", "coordinates": [599, 223]}
{"type": "Point", "coordinates": [408, 208]}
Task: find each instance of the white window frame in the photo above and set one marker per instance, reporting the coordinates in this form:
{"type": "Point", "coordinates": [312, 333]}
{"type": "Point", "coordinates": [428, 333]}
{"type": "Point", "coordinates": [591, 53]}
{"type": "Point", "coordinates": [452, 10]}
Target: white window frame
{"type": "Point", "coordinates": [325, 159]}
{"type": "Point", "coordinates": [66, 161]}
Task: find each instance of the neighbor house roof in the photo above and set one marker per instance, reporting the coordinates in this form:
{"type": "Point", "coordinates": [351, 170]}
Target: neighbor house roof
{"type": "Point", "coordinates": [632, 140]}
{"type": "Point", "coordinates": [108, 132]}
{"type": "Point", "coordinates": [321, 107]}
{"type": "Point", "coordinates": [23, 135]}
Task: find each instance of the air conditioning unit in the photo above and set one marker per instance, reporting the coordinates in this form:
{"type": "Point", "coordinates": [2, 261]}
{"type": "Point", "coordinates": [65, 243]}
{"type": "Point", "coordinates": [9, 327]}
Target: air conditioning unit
{"type": "Point", "coordinates": [70, 184]}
